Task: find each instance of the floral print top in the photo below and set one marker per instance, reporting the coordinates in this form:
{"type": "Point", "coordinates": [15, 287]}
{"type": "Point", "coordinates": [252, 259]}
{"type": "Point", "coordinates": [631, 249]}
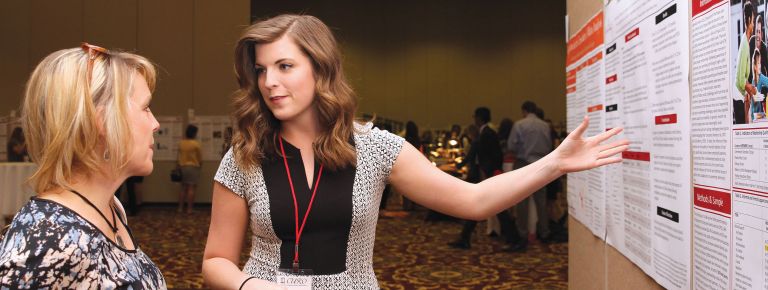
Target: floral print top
{"type": "Point", "coordinates": [49, 246]}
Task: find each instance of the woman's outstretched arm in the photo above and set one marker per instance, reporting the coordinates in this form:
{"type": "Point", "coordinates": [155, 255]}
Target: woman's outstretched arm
{"type": "Point", "coordinates": [415, 177]}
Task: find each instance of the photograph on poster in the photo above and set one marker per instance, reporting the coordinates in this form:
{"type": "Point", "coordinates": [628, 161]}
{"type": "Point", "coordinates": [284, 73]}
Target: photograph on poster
{"type": "Point", "coordinates": [750, 62]}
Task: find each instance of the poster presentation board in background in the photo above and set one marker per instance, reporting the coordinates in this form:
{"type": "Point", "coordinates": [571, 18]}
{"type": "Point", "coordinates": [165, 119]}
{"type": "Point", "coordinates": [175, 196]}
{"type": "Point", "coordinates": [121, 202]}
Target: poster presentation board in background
{"type": "Point", "coordinates": [167, 138]}
{"type": "Point", "coordinates": [585, 96]}
{"type": "Point", "coordinates": [212, 134]}
{"type": "Point", "coordinates": [7, 125]}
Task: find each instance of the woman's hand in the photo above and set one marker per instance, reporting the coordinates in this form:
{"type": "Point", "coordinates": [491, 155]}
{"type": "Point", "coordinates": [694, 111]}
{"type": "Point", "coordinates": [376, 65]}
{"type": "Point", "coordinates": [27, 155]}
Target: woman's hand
{"type": "Point", "coordinates": [577, 153]}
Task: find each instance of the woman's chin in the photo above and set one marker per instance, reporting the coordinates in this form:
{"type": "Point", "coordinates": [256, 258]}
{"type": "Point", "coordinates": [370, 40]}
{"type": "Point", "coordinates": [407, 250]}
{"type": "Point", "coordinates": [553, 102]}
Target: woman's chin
{"type": "Point", "coordinates": [143, 171]}
{"type": "Point", "coordinates": [148, 170]}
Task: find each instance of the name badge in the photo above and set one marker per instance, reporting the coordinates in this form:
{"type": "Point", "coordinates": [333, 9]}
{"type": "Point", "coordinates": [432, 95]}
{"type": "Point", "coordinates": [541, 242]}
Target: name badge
{"type": "Point", "coordinates": [294, 282]}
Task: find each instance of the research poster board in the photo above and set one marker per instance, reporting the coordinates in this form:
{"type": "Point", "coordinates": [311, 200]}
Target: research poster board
{"type": "Point", "coordinates": [642, 207]}
{"type": "Point", "coordinates": [748, 62]}
{"type": "Point", "coordinates": [711, 121]}
{"type": "Point", "coordinates": [214, 134]}
{"type": "Point", "coordinates": [748, 146]}
{"type": "Point", "coordinates": [730, 145]}
{"type": "Point", "coordinates": [652, 64]}
{"type": "Point", "coordinates": [167, 138]}
{"type": "Point", "coordinates": [585, 96]}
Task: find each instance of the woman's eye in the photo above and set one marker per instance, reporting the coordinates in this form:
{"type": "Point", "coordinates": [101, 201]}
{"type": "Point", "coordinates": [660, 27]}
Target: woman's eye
{"type": "Point", "coordinates": [285, 66]}
{"type": "Point", "coordinates": [259, 70]}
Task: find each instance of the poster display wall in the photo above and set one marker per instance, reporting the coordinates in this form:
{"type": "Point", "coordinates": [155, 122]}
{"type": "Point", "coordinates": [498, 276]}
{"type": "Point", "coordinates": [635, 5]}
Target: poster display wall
{"type": "Point", "coordinates": [711, 121]}
{"type": "Point", "coordinates": [687, 80]}
{"type": "Point", "coordinates": [642, 206]}
{"type": "Point", "coordinates": [730, 144]}
{"type": "Point", "coordinates": [214, 134]}
{"type": "Point", "coordinates": [167, 138]}
{"type": "Point", "coordinates": [585, 95]}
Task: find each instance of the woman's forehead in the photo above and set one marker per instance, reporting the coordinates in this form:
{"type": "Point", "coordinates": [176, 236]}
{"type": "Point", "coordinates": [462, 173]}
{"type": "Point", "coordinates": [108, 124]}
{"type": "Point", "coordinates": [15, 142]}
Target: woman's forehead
{"type": "Point", "coordinates": [271, 52]}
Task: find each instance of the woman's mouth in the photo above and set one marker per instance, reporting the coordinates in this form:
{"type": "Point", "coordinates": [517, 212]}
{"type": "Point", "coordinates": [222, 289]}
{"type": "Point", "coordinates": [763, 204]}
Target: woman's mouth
{"type": "Point", "coordinates": [275, 99]}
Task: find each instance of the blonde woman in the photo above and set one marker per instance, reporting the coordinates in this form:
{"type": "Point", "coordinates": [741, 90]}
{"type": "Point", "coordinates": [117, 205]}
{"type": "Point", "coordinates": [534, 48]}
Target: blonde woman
{"type": "Point", "coordinates": [88, 127]}
{"type": "Point", "coordinates": [308, 179]}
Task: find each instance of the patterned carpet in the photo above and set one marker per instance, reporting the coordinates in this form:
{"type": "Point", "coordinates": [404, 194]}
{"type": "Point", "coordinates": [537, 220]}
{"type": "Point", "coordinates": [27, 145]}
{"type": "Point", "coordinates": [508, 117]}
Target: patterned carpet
{"type": "Point", "coordinates": [409, 254]}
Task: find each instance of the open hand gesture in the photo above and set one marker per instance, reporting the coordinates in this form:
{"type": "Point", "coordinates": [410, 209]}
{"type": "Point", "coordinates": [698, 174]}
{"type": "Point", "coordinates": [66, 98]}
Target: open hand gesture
{"type": "Point", "coordinates": [577, 153]}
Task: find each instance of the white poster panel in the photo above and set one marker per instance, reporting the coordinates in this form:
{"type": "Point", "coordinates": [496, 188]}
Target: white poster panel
{"type": "Point", "coordinates": [711, 119]}
{"type": "Point", "coordinates": [632, 78]}
{"type": "Point", "coordinates": [748, 62]}
{"type": "Point", "coordinates": [668, 60]}
{"type": "Point", "coordinates": [586, 96]}
{"type": "Point", "coordinates": [167, 138]}
{"type": "Point", "coordinates": [614, 175]}
{"type": "Point", "coordinates": [214, 134]}
{"type": "Point", "coordinates": [647, 83]}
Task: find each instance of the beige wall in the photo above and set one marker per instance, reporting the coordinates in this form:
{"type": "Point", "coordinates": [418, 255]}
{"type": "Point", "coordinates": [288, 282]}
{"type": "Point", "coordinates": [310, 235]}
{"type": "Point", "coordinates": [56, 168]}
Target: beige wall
{"type": "Point", "coordinates": [190, 41]}
{"type": "Point", "coordinates": [435, 61]}
{"type": "Point", "coordinates": [431, 61]}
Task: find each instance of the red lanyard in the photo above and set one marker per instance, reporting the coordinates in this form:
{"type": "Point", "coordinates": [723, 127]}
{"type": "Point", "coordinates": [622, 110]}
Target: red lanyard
{"type": "Point", "coordinates": [299, 230]}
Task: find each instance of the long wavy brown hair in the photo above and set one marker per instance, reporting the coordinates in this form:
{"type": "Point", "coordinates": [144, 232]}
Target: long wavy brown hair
{"type": "Point", "coordinates": [334, 99]}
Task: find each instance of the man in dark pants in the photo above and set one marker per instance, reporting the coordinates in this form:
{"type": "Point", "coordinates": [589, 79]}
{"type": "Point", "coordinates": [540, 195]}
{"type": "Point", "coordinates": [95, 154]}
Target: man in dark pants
{"type": "Point", "coordinates": [486, 152]}
{"type": "Point", "coordinates": [530, 140]}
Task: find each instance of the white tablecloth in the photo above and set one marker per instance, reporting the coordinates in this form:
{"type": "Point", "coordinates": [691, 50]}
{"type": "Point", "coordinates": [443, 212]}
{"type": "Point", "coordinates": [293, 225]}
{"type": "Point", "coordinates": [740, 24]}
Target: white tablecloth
{"type": "Point", "coordinates": [13, 193]}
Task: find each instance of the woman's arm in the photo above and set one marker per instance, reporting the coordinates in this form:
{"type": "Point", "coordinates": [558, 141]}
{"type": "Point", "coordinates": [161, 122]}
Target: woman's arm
{"type": "Point", "coordinates": [420, 181]}
{"type": "Point", "coordinates": [229, 218]}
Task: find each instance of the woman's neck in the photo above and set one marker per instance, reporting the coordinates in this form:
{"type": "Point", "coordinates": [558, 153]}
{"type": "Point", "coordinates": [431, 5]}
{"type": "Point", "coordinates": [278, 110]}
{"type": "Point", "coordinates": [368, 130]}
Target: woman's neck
{"type": "Point", "coordinates": [301, 132]}
{"type": "Point", "coordinates": [98, 188]}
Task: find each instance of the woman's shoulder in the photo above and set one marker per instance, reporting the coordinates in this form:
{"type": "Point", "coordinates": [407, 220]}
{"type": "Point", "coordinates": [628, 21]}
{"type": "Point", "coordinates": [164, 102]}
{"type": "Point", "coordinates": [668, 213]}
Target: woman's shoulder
{"type": "Point", "coordinates": [47, 240]}
{"type": "Point", "coordinates": [189, 142]}
{"type": "Point", "coordinates": [47, 217]}
{"type": "Point", "coordinates": [367, 132]}
{"type": "Point", "coordinates": [43, 224]}
{"type": "Point", "coordinates": [372, 140]}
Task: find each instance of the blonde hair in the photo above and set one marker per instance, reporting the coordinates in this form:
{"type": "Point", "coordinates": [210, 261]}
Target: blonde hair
{"type": "Point", "coordinates": [65, 117]}
{"type": "Point", "coordinates": [334, 100]}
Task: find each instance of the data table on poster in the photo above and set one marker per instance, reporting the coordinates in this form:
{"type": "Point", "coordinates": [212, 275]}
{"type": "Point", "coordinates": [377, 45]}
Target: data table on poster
{"type": "Point", "coordinates": [750, 245]}
{"type": "Point", "coordinates": [750, 208]}
{"type": "Point", "coordinates": [637, 201]}
{"type": "Point", "coordinates": [750, 159]}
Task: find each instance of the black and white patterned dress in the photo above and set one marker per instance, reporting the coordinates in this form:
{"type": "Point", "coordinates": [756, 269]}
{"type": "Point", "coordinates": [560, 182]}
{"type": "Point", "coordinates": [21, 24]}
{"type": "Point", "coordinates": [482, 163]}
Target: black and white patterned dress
{"type": "Point", "coordinates": [49, 246]}
{"type": "Point", "coordinates": [376, 153]}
